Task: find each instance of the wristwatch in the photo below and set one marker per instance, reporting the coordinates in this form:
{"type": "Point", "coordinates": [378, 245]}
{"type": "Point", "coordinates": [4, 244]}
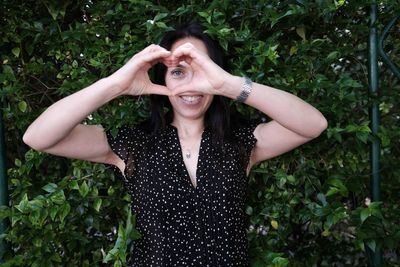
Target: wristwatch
{"type": "Point", "coordinates": [246, 90]}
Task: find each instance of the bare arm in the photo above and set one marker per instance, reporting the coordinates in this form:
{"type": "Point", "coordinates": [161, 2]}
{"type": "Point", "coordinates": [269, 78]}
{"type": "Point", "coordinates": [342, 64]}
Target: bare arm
{"type": "Point", "coordinates": [58, 130]}
{"type": "Point", "coordinates": [294, 122]}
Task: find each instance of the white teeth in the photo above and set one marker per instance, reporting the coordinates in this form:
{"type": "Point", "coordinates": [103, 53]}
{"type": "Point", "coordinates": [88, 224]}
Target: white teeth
{"type": "Point", "coordinates": [190, 99]}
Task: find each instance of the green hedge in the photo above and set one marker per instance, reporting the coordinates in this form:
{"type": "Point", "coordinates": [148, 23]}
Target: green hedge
{"type": "Point", "coordinates": [307, 207]}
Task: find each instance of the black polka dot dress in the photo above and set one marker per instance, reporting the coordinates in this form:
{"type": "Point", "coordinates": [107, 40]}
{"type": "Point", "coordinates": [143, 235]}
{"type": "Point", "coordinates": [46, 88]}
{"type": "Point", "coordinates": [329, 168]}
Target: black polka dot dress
{"type": "Point", "coordinates": [183, 225]}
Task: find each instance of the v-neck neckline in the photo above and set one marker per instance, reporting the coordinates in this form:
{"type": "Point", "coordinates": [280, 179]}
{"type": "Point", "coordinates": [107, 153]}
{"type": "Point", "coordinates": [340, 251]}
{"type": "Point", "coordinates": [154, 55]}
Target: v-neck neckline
{"type": "Point", "coordinates": [182, 161]}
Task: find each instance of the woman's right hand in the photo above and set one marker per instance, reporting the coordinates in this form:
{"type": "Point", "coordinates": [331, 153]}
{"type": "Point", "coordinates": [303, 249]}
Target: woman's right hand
{"type": "Point", "coordinates": [133, 77]}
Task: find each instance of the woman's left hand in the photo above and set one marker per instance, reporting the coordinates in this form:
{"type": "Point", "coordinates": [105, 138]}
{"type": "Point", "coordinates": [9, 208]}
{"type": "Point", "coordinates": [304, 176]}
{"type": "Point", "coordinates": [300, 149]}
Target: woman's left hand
{"type": "Point", "coordinates": [207, 78]}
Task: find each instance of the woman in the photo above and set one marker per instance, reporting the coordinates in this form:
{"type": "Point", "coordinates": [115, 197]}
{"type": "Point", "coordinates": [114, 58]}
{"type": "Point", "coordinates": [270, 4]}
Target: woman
{"type": "Point", "coordinates": [187, 168]}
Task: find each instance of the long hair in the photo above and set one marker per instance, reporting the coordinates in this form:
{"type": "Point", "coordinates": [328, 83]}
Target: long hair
{"type": "Point", "coordinates": [217, 117]}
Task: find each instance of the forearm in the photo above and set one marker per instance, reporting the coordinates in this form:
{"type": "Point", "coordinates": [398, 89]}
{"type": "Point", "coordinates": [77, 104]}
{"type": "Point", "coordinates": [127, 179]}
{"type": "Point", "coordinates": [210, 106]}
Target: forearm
{"type": "Point", "coordinates": [285, 108]}
{"type": "Point", "coordinates": [59, 119]}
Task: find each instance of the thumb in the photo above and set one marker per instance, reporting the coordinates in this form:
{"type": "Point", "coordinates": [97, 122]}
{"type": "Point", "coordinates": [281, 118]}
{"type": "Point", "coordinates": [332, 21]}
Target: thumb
{"type": "Point", "coordinates": [157, 89]}
{"type": "Point", "coordinates": [182, 88]}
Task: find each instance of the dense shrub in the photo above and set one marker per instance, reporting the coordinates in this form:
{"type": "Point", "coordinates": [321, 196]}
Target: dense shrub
{"type": "Point", "coordinates": [306, 208]}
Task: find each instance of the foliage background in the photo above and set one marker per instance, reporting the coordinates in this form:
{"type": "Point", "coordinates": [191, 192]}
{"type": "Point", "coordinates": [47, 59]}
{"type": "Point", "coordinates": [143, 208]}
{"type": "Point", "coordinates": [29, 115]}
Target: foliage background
{"type": "Point", "coordinates": [307, 208]}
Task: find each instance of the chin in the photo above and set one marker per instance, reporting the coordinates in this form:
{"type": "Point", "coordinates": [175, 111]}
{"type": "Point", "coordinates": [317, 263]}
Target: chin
{"type": "Point", "coordinates": [191, 106]}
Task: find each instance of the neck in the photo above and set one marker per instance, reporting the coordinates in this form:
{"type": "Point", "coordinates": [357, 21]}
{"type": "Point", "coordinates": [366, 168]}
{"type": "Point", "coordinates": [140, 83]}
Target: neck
{"type": "Point", "coordinates": [189, 128]}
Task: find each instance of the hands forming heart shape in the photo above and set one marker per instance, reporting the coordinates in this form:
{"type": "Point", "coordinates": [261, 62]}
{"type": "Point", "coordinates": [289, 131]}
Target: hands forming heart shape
{"type": "Point", "coordinates": [207, 78]}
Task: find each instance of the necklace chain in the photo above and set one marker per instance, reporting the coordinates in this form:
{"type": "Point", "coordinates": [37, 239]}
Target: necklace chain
{"type": "Point", "coordinates": [188, 151]}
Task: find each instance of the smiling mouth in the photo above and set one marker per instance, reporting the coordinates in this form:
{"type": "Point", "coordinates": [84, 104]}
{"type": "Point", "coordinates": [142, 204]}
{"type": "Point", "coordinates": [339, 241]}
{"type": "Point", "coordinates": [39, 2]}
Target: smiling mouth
{"type": "Point", "coordinates": [191, 99]}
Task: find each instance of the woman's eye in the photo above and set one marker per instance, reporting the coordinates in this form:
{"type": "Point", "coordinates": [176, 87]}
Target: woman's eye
{"type": "Point", "coordinates": [176, 73]}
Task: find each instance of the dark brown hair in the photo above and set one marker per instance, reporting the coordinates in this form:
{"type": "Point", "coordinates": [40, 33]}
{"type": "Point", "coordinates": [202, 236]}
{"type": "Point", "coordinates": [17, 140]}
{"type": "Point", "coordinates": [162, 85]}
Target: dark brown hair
{"type": "Point", "coordinates": [218, 115]}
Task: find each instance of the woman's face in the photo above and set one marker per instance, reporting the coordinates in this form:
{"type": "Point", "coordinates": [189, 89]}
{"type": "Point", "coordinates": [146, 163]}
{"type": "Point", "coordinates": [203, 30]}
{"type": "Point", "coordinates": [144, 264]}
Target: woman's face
{"type": "Point", "coordinates": [189, 104]}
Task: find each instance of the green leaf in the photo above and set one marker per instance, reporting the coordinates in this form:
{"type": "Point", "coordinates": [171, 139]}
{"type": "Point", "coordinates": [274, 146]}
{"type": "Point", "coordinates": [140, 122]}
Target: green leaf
{"type": "Point", "coordinates": [125, 28]}
{"type": "Point", "coordinates": [22, 106]}
{"type": "Point", "coordinates": [322, 211]}
{"type": "Point", "coordinates": [205, 15]}
{"type": "Point", "coordinates": [333, 55]}
{"type": "Point", "coordinates": [95, 63]}
{"type": "Point", "coordinates": [53, 212]}
{"type": "Point", "coordinates": [16, 51]}
{"type": "Point", "coordinates": [23, 204]}
{"type": "Point", "coordinates": [364, 214]}
{"type": "Point", "coordinates": [58, 197]}
{"type": "Point", "coordinates": [84, 189]}
{"type": "Point", "coordinates": [89, 221]}
{"type": "Point", "coordinates": [280, 262]}
{"type": "Point", "coordinates": [74, 185]}
{"type": "Point", "coordinates": [64, 211]}
{"type": "Point", "coordinates": [337, 186]}
{"type": "Point", "coordinates": [249, 210]}
{"type": "Point", "coordinates": [363, 136]}
{"type": "Point", "coordinates": [293, 50]}
{"type": "Point", "coordinates": [110, 191]}
{"type": "Point", "coordinates": [375, 209]}
{"type": "Point", "coordinates": [8, 73]}
{"type": "Point", "coordinates": [372, 245]}
{"type": "Point", "coordinates": [50, 187]}
{"type": "Point", "coordinates": [37, 217]}
{"type": "Point", "coordinates": [332, 191]}
{"type": "Point", "coordinates": [301, 32]}
{"type": "Point", "coordinates": [37, 242]}
{"type": "Point", "coordinates": [321, 197]}
{"type": "Point", "coordinates": [161, 25]}
{"type": "Point", "coordinates": [97, 204]}
{"type": "Point", "coordinates": [53, 10]}
{"type": "Point", "coordinates": [4, 212]}
{"type": "Point", "coordinates": [56, 258]}
{"type": "Point", "coordinates": [17, 162]}
{"type": "Point", "coordinates": [160, 16]}
{"type": "Point", "coordinates": [339, 3]}
{"type": "Point", "coordinates": [291, 179]}
{"type": "Point", "coordinates": [275, 20]}
{"type": "Point", "coordinates": [135, 234]}
{"type": "Point", "coordinates": [347, 82]}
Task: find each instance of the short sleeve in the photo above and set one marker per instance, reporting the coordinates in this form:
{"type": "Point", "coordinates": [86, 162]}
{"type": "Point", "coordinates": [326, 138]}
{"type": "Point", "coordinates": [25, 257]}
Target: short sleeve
{"type": "Point", "coordinates": [127, 144]}
{"type": "Point", "coordinates": [245, 136]}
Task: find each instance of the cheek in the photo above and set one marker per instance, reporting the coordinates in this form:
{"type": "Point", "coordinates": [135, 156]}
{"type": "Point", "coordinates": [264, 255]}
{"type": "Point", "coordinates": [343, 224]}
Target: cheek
{"type": "Point", "coordinates": [209, 100]}
{"type": "Point", "coordinates": [173, 82]}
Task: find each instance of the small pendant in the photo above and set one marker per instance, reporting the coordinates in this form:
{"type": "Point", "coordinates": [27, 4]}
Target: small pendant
{"type": "Point", "coordinates": [188, 154]}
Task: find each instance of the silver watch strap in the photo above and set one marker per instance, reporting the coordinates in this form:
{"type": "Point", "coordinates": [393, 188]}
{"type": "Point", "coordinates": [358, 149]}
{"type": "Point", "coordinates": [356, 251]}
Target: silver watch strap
{"type": "Point", "coordinates": [246, 90]}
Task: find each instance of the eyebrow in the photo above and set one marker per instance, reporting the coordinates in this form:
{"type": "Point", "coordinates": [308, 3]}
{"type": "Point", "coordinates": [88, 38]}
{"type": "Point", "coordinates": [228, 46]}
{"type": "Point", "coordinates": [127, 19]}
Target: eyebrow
{"type": "Point", "coordinates": [178, 66]}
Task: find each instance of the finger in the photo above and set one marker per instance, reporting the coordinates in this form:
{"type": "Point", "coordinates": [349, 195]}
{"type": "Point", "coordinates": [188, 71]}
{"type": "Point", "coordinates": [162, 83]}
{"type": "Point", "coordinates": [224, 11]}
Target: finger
{"type": "Point", "coordinates": [148, 55]}
{"type": "Point", "coordinates": [170, 61]}
{"type": "Point", "coordinates": [156, 56]}
{"type": "Point", "coordinates": [152, 51]}
{"type": "Point", "coordinates": [157, 89]}
{"type": "Point", "coordinates": [184, 54]}
{"type": "Point", "coordinates": [189, 51]}
{"type": "Point", "coordinates": [152, 48]}
{"type": "Point", "coordinates": [184, 88]}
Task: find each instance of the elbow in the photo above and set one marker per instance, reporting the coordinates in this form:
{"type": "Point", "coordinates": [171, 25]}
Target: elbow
{"type": "Point", "coordinates": [319, 127]}
{"type": "Point", "coordinates": [29, 139]}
